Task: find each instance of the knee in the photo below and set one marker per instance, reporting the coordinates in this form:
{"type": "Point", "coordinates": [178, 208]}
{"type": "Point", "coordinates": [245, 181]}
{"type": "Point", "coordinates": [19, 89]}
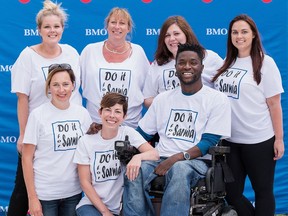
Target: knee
{"type": "Point", "coordinates": [178, 173]}
{"type": "Point", "coordinates": [137, 181]}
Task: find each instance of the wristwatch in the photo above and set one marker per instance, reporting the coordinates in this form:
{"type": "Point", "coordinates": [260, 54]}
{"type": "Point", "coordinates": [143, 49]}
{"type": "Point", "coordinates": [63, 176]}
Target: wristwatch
{"type": "Point", "coordinates": [186, 155]}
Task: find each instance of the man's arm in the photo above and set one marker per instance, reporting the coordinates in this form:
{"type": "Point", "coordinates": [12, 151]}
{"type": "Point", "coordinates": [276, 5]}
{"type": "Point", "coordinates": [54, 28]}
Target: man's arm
{"type": "Point", "coordinates": [200, 149]}
{"type": "Point", "coordinates": [146, 136]}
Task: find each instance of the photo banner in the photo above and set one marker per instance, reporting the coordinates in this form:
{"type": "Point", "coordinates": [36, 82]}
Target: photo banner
{"type": "Point", "coordinates": [208, 18]}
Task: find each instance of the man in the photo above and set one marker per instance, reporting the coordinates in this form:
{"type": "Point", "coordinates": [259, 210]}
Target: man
{"type": "Point", "coordinates": [188, 120]}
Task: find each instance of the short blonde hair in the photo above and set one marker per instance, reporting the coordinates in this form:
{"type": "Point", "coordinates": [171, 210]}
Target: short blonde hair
{"type": "Point", "coordinates": [51, 8]}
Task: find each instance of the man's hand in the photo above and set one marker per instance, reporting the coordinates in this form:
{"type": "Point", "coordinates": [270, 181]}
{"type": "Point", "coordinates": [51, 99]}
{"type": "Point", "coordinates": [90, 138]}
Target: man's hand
{"type": "Point", "coordinates": [94, 128]}
{"type": "Point", "coordinates": [165, 165]}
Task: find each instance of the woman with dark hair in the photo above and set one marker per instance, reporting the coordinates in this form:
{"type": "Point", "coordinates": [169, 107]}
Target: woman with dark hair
{"type": "Point", "coordinates": [252, 82]}
{"type": "Point", "coordinates": [174, 31]}
{"type": "Point", "coordinates": [100, 171]}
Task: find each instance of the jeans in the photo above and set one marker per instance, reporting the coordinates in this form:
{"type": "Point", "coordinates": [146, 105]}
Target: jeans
{"type": "Point", "coordinates": [178, 182]}
{"type": "Point", "coordinates": [61, 207]}
{"type": "Point", "coordinates": [90, 210]}
{"type": "Point", "coordinates": [18, 205]}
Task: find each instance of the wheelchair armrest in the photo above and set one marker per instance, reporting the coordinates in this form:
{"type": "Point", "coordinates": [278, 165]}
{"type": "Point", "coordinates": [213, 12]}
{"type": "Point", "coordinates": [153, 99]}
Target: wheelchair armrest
{"type": "Point", "coordinates": [216, 150]}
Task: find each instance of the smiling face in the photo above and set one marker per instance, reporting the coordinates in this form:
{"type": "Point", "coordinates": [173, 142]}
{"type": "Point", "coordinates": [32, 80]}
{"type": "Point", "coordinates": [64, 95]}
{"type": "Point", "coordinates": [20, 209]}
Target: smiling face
{"type": "Point", "coordinates": [242, 37]}
{"type": "Point", "coordinates": [189, 69]}
{"type": "Point", "coordinates": [61, 88]}
{"type": "Point", "coordinates": [173, 37]}
{"type": "Point", "coordinates": [51, 29]}
{"type": "Point", "coordinates": [112, 117]}
{"type": "Point", "coordinates": [118, 27]}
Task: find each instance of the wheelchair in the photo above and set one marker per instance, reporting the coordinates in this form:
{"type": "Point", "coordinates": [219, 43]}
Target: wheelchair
{"type": "Point", "coordinates": [208, 196]}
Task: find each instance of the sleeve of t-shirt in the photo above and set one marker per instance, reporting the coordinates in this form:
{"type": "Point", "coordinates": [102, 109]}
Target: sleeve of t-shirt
{"type": "Point", "coordinates": [271, 77]}
{"type": "Point", "coordinates": [135, 137]}
{"type": "Point", "coordinates": [81, 155]}
{"type": "Point", "coordinates": [21, 74]}
{"type": "Point", "coordinates": [150, 86]}
{"type": "Point", "coordinates": [32, 129]}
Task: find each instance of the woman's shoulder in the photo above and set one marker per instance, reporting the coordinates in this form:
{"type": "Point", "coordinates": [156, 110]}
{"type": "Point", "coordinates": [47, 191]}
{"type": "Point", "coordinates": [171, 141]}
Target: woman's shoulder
{"type": "Point", "coordinates": [269, 65]}
{"type": "Point", "coordinates": [268, 58]}
{"type": "Point", "coordinates": [68, 48]}
{"type": "Point", "coordinates": [136, 46]}
{"type": "Point", "coordinates": [92, 48]}
{"type": "Point", "coordinates": [94, 45]}
{"type": "Point", "coordinates": [38, 111]}
{"type": "Point", "coordinates": [27, 51]}
{"type": "Point", "coordinates": [210, 54]}
{"type": "Point", "coordinates": [79, 107]}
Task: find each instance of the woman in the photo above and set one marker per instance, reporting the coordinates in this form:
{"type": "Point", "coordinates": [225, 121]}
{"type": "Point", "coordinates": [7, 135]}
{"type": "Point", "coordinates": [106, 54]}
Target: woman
{"type": "Point", "coordinates": [100, 171]}
{"type": "Point", "coordinates": [51, 136]}
{"type": "Point", "coordinates": [256, 142]}
{"type": "Point", "coordinates": [175, 30]}
{"type": "Point", "coordinates": [28, 80]}
{"type": "Point", "coordinates": [115, 65]}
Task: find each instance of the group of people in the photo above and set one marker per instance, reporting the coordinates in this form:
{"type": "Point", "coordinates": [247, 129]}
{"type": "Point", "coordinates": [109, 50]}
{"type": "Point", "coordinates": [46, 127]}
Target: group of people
{"type": "Point", "coordinates": [194, 99]}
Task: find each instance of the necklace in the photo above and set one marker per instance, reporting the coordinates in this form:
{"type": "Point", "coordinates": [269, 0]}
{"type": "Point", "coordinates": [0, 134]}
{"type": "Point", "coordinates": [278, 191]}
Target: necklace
{"type": "Point", "coordinates": [115, 51]}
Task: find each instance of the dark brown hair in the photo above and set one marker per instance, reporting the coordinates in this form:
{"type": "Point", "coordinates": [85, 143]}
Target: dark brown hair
{"type": "Point", "coordinates": [257, 52]}
{"type": "Point", "coordinates": [162, 54]}
{"type": "Point", "coordinates": [110, 99]}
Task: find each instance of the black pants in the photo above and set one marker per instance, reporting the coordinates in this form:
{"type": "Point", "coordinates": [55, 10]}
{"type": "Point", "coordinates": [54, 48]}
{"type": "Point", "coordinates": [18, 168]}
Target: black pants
{"type": "Point", "coordinates": [18, 205]}
{"type": "Point", "coordinates": [256, 162]}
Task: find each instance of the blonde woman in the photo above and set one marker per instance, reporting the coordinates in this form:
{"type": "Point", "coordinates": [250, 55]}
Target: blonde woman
{"type": "Point", "coordinates": [29, 73]}
{"type": "Point", "coordinates": [115, 65]}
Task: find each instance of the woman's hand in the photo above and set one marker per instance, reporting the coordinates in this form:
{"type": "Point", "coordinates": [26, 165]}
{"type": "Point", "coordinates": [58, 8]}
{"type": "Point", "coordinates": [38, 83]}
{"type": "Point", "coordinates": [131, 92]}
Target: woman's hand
{"type": "Point", "coordinates": [20, 144]}
{"type": "Point", "coordinates": [278, 149]}
{"type": "Point", "coordinates": [133, 167]}
{"type": "Point", "coordinates": [35, 207]}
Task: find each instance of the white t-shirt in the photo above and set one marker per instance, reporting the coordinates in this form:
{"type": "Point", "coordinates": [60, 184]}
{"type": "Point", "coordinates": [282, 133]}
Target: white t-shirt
{"type": "Point", "coordinates": [56, 133]}
{"type": "Point", "coordinates": [105, 167]}
{"type": "Point", "coordinates": [29, 73]}
{"type": "Point", "coordinates": [127, 78]}
{"type": "Point", "coordinates": [180, 120]}
{"type": "Point", "coordinates": [162, 78]}
{"type": "Point", "coordinates": [251, 120]}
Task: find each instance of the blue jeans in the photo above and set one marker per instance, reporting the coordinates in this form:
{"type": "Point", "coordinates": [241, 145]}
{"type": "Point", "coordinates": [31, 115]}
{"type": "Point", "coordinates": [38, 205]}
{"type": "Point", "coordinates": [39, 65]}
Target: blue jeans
{"type": "Point", "coordinates": [178, 182]}
{"type": "Point", "coordinates": [86, 210]}
{"type": "Point", "coordinates": [61, 207]}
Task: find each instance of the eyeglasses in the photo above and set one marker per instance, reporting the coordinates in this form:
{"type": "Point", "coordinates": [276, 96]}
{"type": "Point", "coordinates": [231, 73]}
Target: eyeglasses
{"type": "Point", "coordinates": [63, 66]}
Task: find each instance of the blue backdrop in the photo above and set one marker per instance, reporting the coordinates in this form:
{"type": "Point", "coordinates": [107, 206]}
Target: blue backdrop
{"type": "Point", "coordinates": [208, 18]}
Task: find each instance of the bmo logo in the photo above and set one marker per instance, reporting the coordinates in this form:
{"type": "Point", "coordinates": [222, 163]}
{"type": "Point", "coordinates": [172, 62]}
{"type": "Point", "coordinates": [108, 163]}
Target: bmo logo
{"type": "Point", "coordinates": [95, 32]}
{"type": "Point", "coordinates": [216, 31]}
{"type": "Point", "coordinates": [5, 68]}
{"type": "Point", "coordinates": [152, 31]}
{"type": "Point", "coordinates": [31, 32]}
{"type": "Point", "coordinates": [8, 139]}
